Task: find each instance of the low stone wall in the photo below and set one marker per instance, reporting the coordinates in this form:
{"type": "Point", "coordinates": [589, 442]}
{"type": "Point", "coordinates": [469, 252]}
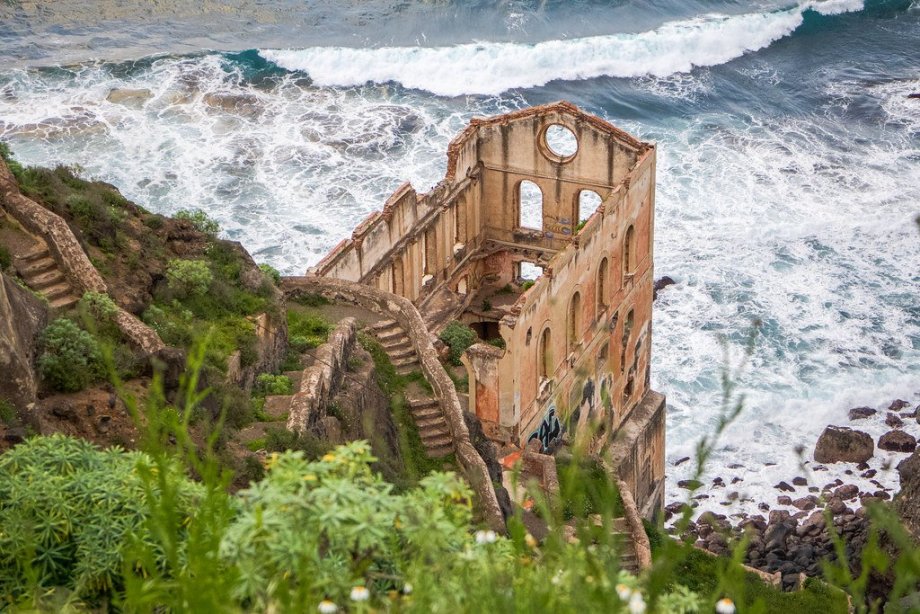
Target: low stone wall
{"type": "Point", "coordinates": [321, 382]}
{"type": "Point", "coordinates": [404, 312]}
{"type": "Point", "coordinates": [69, 255]}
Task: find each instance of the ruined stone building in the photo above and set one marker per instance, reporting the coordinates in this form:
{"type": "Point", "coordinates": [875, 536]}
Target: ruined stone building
{"type": "Point", "coordinates": [540, 237]}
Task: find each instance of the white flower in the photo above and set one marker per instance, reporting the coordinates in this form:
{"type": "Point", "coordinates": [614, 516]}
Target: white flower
{"type": "Point", "coordinates": [725, 606]}
{"type": "Point", "coordinates": [486, 537]}
{"type": "Point", "coordinates": [360, 593]}
{"type": "Point", "coordinates": [327, 607]}
{"type": "Point", "coordinates": [407, 589]}
{"type": "Point", "coordinates": [557, 578]}
{"type": "Point", "coordinates": [636, 603]}
{"type": "Point", "coordinates": [624, 592]}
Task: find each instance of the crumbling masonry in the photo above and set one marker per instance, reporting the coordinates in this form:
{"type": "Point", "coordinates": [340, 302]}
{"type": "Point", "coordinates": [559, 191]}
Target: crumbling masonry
{"type": "Point", "coordinates": [563, 198]}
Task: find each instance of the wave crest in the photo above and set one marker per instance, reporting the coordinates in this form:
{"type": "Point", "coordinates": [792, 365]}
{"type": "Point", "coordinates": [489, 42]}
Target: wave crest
{"type": "Point", "coordinates": [492, 68]}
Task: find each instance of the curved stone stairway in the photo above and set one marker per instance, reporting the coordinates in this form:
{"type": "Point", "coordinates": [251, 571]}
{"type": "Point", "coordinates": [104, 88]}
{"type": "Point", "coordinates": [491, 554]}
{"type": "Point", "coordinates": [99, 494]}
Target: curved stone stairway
{"type": "Point", "coordinates": [425, 409]}
{"type": "Point", "coordinates": [41, 272]}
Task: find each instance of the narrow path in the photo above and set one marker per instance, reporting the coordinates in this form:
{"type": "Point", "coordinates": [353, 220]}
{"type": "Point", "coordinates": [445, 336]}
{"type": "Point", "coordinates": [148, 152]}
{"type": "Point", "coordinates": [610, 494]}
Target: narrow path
{"type": "Point", "coordinates": [41, 272]}
{"type": "Point", "coordinates": [424, 407]}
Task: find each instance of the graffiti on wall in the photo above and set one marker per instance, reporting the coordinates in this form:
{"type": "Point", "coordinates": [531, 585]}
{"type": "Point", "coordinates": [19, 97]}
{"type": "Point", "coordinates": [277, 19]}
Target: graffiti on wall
{"type": "Point", "coordinates": [549, 430]}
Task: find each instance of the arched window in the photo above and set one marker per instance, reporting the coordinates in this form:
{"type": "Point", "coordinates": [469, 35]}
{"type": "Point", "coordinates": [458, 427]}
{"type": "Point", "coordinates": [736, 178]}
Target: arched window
{"type": "Point", "coordinates": [588, 202]}
{"type": "Point", "coordinates": [545, 358]}
{"type": "Point", "coordinates": [574, 320]}
{"type": "Point", "coordinates": [629, 251]}
{"type": "Point", "coordinates": [602, 274]}
{"type": "Point", "coordinates": [530, 205]}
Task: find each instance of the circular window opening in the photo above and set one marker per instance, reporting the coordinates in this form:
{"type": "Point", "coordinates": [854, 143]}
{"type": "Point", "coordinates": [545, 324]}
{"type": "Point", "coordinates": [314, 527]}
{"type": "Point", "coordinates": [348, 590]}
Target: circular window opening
{"type": "Point", "coordinates": [561, 141]}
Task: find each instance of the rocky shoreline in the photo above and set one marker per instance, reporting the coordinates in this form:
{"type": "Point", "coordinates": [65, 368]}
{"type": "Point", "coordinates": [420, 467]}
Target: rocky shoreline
{"type": "Point", "coordinates": [791, 536]}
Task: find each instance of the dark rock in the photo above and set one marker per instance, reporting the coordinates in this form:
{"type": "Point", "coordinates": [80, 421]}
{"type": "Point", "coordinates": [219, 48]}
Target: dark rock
{"type": "Point", "coordinates": [841, 444]}
{"type": "Point", "coordinates": [784, 500]}
{"type": "Point", "coordinates": [775, 536]}
{"type": "Point", "coordinates": [847, 492]}
{"type": "Point", "coordinates": [881, 494]}
{"type": "Point", "coordinates": [784, 487]}
{"type": "Point", "coordinates": [736, 479]}
{"type": "Point", "coordinates": [103, 424]}
{"type": "Point", "coordinates": [676, 507]}
{"type": "Point", "coordinates": [819, 468]}
{"type": "Point", "coordinates": [898, 405]}
{"type": "Point", "coordinates": [681, 461]}
{"type": "Point", "coordinates": [778, 516]}
{"type": "Point", "coordinates": [718, 482]}
{"type": "Point", "coordinates": [689, 484]}
{"type": "Point", "coordinates": [862, 466]}
{"type": "Point", "coordinates": [894, 421]}
{"type": "Point", "coordinates": [64, 408]}
{"type": "Point", "coordinates": [907, 503]}
{"type": "Point", "coordinates": [799, 481]}
{"type": "Point", "coordinates": [871, 473]}
{"type": "Point", "coordinates": [15, 435]}
{"type": "Point", "coordinates": [814, 489]}
{"type": "Point", "coordinates": [764, 507]}
{"type": "Point", "coordinates": [22, 318]}
{"type": "Point", "coordinates": [897, 441]}
{"type": "Point", "coordinates": [859, 413]}
{"type": "Point", "coordinates": [806, 503]}
{"type": "Point", "coordinates": [661, 284]}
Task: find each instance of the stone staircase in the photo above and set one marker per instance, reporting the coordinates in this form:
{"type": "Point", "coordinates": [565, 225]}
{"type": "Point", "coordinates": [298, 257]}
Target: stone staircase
{"type": "Point", "coordinates": [41, 272]}
{"type": "Point", "coordinates": [426, 411]}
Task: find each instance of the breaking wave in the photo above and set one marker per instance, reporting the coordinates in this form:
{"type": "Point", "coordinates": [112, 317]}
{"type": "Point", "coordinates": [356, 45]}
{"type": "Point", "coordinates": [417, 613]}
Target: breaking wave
{"type": "Point", "coordinates": [491, 68]}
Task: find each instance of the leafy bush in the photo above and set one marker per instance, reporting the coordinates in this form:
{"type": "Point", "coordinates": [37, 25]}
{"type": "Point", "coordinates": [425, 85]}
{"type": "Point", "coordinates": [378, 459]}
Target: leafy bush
{"type": "Point", "coordinates": [498, 342]}
{"type": "Point", "coordinates": [70, 510]}
{"type": "Point", "coordinates": [7, 411]}
{"type": "Point", "coordinates": [99, 305]}
{"type": "Point", "coordinates": [305, 330]}
{"type": "Point", "coordinates": [458, 338]}
{"type": "Point", "coordinates": [71, 358]}
{"type": "Point", "coordinates": [268, 384]}
{"type": "Point", "coordinates": [271, 272]}
{"type": "Point", "coordinates": [189, 278]}
{"type": "Point", "coordinates": [200, 220]}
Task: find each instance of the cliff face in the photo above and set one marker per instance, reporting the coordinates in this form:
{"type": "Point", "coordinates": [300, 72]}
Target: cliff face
{"type": "Point", "coordinates": [907, 503]}
{"type": "Point", "coordinates": [22, 318]}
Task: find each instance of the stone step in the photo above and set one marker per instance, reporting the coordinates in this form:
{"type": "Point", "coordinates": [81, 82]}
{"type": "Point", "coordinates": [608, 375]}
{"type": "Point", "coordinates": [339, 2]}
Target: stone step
{"type": "Point", "coordinates": [383, 325]}
{"type": "Point", "coordinates": [57, 290]}
{"type": "Point", "coordinates": [36, 254]}
{"type": "Point", "coordinates": [45, 280]}
{"type": "Point", "coordinates": [435, 438]}
{"type": "Point", "coordinates": [408, 369]}
{"type": "Point", "coordinates": [64, 302]}
{"type": "Point", "coordinates": [431, 423]}
{"type": "Point", "coordinates": [423, 403]}
{"type": "Point", "coordinates": [388, 335]}
{"type": "Point", "coordinates": [278, 406]}
{"type": "Point", "coordinates": [36, 266]}
{"type": "Point", "coordinates": [427, 414]}
{"type": "Point", "coordinates": [401, 354]}
{"type": "Point", "coordinates": [440, 449]}
{"type": "Point", "coordinates": [405, 361]}
{"type": "Point", "coordinates": [396, 341]}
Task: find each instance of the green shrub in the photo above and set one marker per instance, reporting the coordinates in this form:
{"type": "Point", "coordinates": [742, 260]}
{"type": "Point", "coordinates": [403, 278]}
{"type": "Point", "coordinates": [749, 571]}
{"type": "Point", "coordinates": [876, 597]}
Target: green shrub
{"type": "Point", "coordinates": [7, 154]}
{"type": "Point", "coordinates": [71, 358]}
{"type": "Point", "coordinates": [458, 338]}
{"type": "Point", "coordinates": [7, 411]}
{"type": "Point", "coordinates": [6, 259]}
{"type": "Point", "coordinates": [527, 284]}
{"type": "Point", "coordinates": [71, 510]}
{"type": "Point", "coordinates": [99, 305]}
{"type": "Point", "coordinates": [189, 278]}
{"type": "Point", "coordinates": [271, 272]}
{"type": "Point", "coordinates": [200, 220]}
{"type": "Point", "coordinates": [268, 384]}
{"type": "Point", "coordinates": [497, 342]}
{"type": "Point", "coordinates": [305, 330]}
{"type": "Point", "coordinates": [279, 439]}
{"type": "Point", "coordinates": [308, 299]}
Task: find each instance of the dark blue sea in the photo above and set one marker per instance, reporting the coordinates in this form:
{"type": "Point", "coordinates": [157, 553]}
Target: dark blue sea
{"type": "Point", "coordinates": [788, 168]}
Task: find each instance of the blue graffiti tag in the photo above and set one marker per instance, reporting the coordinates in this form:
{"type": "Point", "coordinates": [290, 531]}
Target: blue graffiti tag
{"type": "Point", "coordinates": [549, 429]}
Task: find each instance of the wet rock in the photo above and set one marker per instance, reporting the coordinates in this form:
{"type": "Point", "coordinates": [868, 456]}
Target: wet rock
{"type": "Point", "coordinates": [871, 473]}
{"type": "Point", "coordinates": [860, 413]}
{"type": "Point", "coordinates": [784, 487]}
{"type": "Point", "coordinates": [764, 507]}
{"type": "Point", "coordinates": [862, 466]}
{"type": "Point", "coordinates": [736, 479]}
{"type": "Point", "coordinates": [128, 96]}
{"type": "Point", "coordinates": [718, 482]}
{"type": "Point", "coordinates": [894, 421]}
{"type": "Point", "coordinates": [841, 444]}
{"type": "Point", "coordinates": [898, 405]}
{"type": "Point", "coordinates": [689, 484]}
{"type": "Point", "coordinates": [897, 441]}
{"type": "Point", "coordinates": [806, 503]}
{"type": "Point", "coordinates": [661, 284]}
{"type": "Point", "coordinates": [799, 481]}
{"type": "Point", "coordinates": [784, 500]}
{"type": "Point", "coordinates": [847, 492]}
{"type": "Point", "coordinates": [681, 461]}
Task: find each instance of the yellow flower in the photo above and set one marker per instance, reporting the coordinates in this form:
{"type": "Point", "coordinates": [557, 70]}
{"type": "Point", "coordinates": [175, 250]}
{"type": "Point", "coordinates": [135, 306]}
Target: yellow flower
{"type": "Point", "coordinates": [309, 477]}
{"type": "Point", "coordinates": [328, 458]}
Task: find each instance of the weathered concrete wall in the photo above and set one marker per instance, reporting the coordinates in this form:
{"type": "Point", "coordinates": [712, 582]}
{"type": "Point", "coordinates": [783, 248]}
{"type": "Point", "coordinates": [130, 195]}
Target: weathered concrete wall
{"type": "Point", "coordinates": [22, 318]}
{"type": "Point", "coordinates": [322, 381]}
{"type": "Point", "coordinates": [70, 257]}
{"type": "Point", "coordinates": [408, 317]}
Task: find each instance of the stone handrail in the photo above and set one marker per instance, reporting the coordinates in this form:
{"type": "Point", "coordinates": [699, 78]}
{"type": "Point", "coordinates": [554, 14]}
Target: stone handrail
{"type": "Point", "coordinates": [321, 381]}
{"type": "Point", "coordinates": [405, 313]}
{"type": "Point", "coordinates": [636, 528]}
{"type": "Point", "coordinates": [69, 255]}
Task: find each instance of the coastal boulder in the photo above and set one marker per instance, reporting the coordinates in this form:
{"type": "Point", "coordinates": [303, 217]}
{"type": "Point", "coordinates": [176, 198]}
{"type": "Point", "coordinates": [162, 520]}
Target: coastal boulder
{"type": "Point", "coordinates": [897, 441]}
{"type": "Point", "coordinates": [907, 502]}
{"type": "Point", "coordinates": [859, 413]}
{"type": "Point", "coordinates": [841, 444]}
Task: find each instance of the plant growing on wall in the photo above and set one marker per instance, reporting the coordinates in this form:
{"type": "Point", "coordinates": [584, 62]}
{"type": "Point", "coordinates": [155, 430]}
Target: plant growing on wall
{"type": "Point", "coordinates": [458, 338]}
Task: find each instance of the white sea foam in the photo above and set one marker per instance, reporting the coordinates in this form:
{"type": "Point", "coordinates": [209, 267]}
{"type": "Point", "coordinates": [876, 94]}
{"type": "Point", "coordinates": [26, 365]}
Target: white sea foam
{"type": "Point", "coordinates": [493, 68]}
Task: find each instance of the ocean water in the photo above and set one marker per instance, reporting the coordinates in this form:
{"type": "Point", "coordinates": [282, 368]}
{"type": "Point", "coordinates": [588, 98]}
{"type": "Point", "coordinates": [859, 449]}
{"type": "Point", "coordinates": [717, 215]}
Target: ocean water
{"type": "Point", "coordinates": [788, 169]}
